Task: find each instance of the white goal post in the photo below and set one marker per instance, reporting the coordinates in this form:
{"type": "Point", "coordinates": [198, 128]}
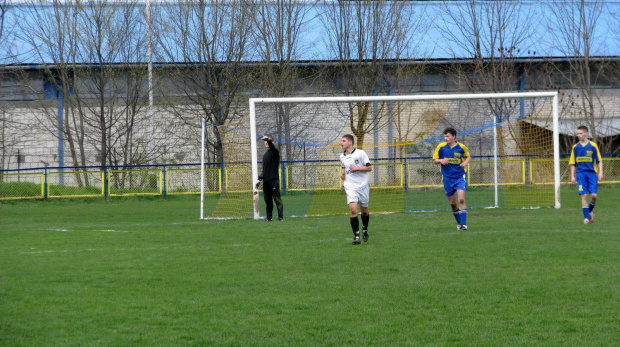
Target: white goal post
{"type": "Point", "coordinates": [254, 136]}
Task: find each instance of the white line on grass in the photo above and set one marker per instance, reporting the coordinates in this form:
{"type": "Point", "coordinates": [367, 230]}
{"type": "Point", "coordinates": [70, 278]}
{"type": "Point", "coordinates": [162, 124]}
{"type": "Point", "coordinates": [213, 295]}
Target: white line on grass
{"type": "Point", "coordinates": [325, 240]}
{"type": "Point", "coordinates": [90, 230]}
{"type": "Point", "coordinates": [133, 249]}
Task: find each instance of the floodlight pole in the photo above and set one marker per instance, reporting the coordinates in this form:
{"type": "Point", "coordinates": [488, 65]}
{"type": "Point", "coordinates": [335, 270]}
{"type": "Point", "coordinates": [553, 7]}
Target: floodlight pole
{"type": "Point", "coordinates": [202, 168]}
{"type": "Point", "coordinates": [149, 53]}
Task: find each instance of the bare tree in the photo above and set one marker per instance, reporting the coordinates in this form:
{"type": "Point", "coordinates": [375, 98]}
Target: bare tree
{"type": "Point", "coordinates": [364, 35]}
{"type": "Point", "coordinates": [103, 100]}
{"type": "Point", "coordinates": [577, 32]}
{"type": "Point", "coordinates": [49, 31]}
{"type": "Point", "coordinates": [110, 100]}
{"type": "Point", "coordinates": [208, 39]}
{"type": "Point", "coordinates": [279, 28]}
{"type": "Point", "coordinates": [3, 9]}
{"type": "Point", "coordinates": [89, 50]}
{"type": "Point", "coordinates": [490, 35]}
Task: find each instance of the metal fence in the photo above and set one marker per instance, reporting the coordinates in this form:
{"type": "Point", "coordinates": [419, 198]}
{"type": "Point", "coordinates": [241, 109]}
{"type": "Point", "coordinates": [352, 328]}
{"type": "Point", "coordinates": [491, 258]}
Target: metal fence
{"type": "Point", "coordinates": [164, 180]}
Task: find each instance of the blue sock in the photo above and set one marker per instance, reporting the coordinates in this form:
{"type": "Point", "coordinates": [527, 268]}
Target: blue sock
{"type": "Point", "coordinates": [591, 206]}
{"type": "Point", "coordinates": [457, 216]}
{"type": "Point", "coordinates": [463, 214]}
{"type": "Point", "coordinates": [586, 213]}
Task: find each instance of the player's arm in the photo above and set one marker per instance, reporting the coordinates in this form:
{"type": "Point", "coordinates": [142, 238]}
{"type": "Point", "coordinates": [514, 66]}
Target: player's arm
{"type": "Point", "coordinates": [364, 159]}
{"type": "Point", "coordinates": [272, 147]}
{"type": "Point", "coordinates": [366, 168]}
{"type": "Point", "coordinates": [465, 162]}
{"type": "Point", "coordinates": [437, 159]}
{"type": "Point", "coordinates": [572, 163]}
{"type": "Point", "coordinates": [342, 173]}
{"type": "Point", "coordinates": [466, 155]}
{"type": "Point", "coordinates": [599, 158]}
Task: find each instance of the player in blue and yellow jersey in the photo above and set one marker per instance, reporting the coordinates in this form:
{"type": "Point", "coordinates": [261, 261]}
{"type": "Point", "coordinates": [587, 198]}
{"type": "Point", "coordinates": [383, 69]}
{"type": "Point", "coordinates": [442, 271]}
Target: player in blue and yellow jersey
{"type": "Point", "coordinates": [586, 161]}
{"type": "Point", "coordinates": [454, 157]}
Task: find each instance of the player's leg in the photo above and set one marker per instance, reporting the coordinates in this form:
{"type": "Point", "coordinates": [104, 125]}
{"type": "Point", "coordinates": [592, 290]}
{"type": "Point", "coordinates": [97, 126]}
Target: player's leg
{"type": "Point", "coordinates": [278, 199]}
{"type": "Point", "coordinates": [591, 206]}
{"type": "Point", "coordinates": [455, 210]}
{"type": "Point", "coordinates": [268, 195]}
{"type": "Point", "coordinates": [450, 191]}
{"type": "Point", "coordinates": [355, 224]}
{"type": "Point", "coordinates": [585, 209]}
{"type": "Point", "coordinates": [593, 190]}
{"type": "Point", "coordinates": [364, 199]}
{"type": "Point", "coordinates": [365, 220]}
{"type": "Point", "coordinates": [462, 208]}
{"type": "Point", "coordinates": [582, 186]}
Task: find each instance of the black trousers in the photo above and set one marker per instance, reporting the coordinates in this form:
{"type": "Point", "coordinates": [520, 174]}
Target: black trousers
{"type": "Point", "coordinates": [271, 193]}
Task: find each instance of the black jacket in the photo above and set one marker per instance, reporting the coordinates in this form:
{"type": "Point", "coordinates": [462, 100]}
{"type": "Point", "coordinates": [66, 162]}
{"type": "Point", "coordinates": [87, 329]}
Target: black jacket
{"type": "Point", "coordinates": [271, 162]}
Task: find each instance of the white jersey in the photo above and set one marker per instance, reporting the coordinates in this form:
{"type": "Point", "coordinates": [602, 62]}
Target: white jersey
{"type": "Point", "coordinates": [355, 179]}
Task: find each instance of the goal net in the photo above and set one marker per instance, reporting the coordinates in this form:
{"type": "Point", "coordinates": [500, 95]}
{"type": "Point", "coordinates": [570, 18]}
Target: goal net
{"type": "Point", "coordinates": [515, 157]}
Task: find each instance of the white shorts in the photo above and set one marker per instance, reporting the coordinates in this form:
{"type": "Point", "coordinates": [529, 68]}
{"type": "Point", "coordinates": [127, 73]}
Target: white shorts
{"type": "Point", "coordinates": [361, 195]}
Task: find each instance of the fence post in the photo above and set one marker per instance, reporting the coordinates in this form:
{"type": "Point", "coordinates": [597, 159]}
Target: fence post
{"type": "Point", "coordinates": [45, 184]}
{"type": "Point", "coordinates": [406, 174]}
{"type": "Point", "coordinates": [164, 181]}
{"type": "Point", "coordinates": [283, 176]}
{"type": "Point", "coordinates": [527, 172]}
{"type": "Point", "coordinates": [106, 183]}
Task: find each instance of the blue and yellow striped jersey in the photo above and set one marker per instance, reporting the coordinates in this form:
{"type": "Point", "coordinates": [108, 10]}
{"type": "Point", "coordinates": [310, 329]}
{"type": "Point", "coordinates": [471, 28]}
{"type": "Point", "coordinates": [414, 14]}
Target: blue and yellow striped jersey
{"type": "Point", "coordinates": [585, 157]}
{"type": "Point", "coordinates": [455, 155]}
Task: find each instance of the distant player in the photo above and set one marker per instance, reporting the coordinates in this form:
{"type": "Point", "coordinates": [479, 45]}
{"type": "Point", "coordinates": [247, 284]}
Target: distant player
{"type": "Point", "coordinates": [583, 157]}
{"type": "Point", "coordinates": [454, 157]}
{"type": "Point", "coordinates": [355, 174]}
{"type": "Point", "coordinates": [271, 179]}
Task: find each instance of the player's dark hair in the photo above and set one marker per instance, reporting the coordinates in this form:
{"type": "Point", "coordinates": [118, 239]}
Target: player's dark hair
{"type": "Point", "coordinates": [450, 131]}
{"type": "Point", "coordinates": [584, 128]}
{"type": "Point", "coordinates": [350, 138]}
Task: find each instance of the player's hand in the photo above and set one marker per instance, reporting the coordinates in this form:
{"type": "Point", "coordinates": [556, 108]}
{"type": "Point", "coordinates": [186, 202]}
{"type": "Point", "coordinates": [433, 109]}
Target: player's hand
{"type": "Point", "coordinates": [343, 176]}
{"type": "Point", "coordinates": [443, 161]}
{"type": "Point", "coordinates": [257, 184]}
{"type": "Point", "coordinates": [352, 168]}
{"type": "Point", "coordinates": [573, 180]}
{"type": "Point", "coordinates": [600, 176]}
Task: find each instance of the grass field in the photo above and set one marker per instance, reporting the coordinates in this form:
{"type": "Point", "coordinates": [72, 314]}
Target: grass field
{"type": "Point", "coordinates": [146, 271]}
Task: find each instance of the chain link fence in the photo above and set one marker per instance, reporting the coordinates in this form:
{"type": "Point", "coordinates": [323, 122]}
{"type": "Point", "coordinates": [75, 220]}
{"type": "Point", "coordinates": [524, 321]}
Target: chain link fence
{"type": "Point", "coordinates": [44, 183]}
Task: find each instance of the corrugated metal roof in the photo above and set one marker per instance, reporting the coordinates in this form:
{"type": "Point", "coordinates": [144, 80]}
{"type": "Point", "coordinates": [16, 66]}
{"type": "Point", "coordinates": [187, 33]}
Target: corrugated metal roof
{"type": "Point", "coordinates": [608, 126]}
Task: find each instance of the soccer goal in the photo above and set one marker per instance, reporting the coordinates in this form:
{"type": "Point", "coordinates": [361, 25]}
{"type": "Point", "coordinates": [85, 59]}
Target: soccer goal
{"type": "Point", "coordinates": [512, 137]}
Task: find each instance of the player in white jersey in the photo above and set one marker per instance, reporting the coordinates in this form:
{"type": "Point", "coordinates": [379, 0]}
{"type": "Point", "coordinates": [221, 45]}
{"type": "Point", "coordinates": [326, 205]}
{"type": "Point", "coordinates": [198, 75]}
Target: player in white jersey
{"type": "Point", "coordinates": [355, 174]}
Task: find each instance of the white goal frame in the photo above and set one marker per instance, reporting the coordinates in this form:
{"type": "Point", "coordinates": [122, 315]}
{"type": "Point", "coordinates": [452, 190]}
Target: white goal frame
{"type": "Point", "coordinates": [556, 136]}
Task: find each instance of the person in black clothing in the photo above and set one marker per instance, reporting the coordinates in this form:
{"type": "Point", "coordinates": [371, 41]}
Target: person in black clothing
{"type": "Point", "coordinates": [271, 178]}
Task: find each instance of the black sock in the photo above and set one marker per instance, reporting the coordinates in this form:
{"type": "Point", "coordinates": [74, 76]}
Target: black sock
{"type": "Point", "coordinates": [355, 225]}
{"type": "Point", "coordinates": [365, 218]}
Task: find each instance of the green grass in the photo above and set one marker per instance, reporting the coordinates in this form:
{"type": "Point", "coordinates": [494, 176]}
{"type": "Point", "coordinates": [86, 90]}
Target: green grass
{"type": "Point", "coordinates": [146, 271]}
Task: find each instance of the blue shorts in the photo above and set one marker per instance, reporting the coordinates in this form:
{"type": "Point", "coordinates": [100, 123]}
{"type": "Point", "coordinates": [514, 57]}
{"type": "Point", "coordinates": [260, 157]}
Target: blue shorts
{"type": "Point", "coordinates": [587, 182]}
{"type": "Point", "coordinates": [451, 185]}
